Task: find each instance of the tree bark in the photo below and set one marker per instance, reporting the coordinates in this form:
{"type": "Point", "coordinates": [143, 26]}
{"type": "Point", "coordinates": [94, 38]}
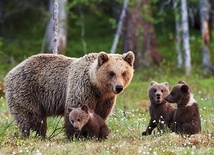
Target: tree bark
{"type": "Point", "coordinates": [55, 26]}
{"type": "Point", "coordinates": [62, 37]}
{"type": "Point", "coordinates": [47, 45]}
{"type": "Point", "coordinates": [132, 27]}
{"type": "Point", "coordinates": [178, 35]}
{"type": "Point", "coordinates": [119, 27]}
{"type": "Point", "coordinates": [185, 28]}
{"type": "Point", "coordinates": [139, 35]}
{"type": "Point", "coordinates": [151, 53]}
{"type": "Point", "coordinates": [204, 14]}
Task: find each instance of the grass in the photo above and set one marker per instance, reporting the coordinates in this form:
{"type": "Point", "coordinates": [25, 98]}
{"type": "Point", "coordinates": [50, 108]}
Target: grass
{"type": "Point", "coordinates": [130, 117]}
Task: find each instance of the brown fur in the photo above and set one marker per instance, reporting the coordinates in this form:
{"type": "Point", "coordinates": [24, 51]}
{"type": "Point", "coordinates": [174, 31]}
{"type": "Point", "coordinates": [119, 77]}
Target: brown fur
{"type": "Point", "coordinates": [1, 89]}
{"type": "Point", "coordinates": [161, 112]}
{"type": "Point", "coordinates": [186, 118]}
{"type": "Point", "coordinates": [87, 123]}
{"type": "Point", "coordinates": [47, 84]}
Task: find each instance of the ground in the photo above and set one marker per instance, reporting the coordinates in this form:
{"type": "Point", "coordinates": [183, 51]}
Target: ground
{"type": "Point", "coordinates": [129, 119]}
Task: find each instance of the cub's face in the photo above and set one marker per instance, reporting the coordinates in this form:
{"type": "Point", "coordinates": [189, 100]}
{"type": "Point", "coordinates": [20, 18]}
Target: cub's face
{"type": "Point", "coordinates": [78, 118]}
{"type": "Point", "coordinates": [114, 72]}
{"type": "Point", "coordinates": [174, 95]}
{"type": "Point", "coordinates": [180, 94]}
{"type": "Point", "coordinates": [157, 92]}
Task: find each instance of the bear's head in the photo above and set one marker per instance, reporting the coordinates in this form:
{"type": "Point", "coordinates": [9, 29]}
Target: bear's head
{"type": "Point", "coordinates": [112, 73]}
{"type": "Point", "coordinates": [157, 92]}
{"type": "Point", "coordinates": [78, 117]}
{"type": "Point", "coordinates": [180, 94]}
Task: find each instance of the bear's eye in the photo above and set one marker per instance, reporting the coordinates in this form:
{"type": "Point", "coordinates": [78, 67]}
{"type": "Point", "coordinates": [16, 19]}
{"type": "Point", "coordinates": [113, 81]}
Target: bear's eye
{"type": "Point", "coordinates": [124, 74]}
{"type": "Point", "coordinates": [162, 90]}
{"type": "Point", "coordinates": [78, 120]}
{"type": "Point", "coordinates": [172, 93]}
{"type": "Point", "coordinates": [155, 90]}
{"type": "Point", "coordinates": [111, 74]}
{"type": "Point", "coordinates": [72, 121]}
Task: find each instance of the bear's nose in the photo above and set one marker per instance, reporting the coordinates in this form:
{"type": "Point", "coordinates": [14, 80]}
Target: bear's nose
{"type": "Point", "coordinates": [158, 96]}
{"type": "Point", "coordinates": [119, 88]}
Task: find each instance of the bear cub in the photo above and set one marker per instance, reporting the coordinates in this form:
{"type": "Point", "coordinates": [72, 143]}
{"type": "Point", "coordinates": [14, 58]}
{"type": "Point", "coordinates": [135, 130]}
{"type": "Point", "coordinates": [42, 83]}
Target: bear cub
{"type": "Point", "coordinates": [161, 112]}
{"type": "Point", "coordinates": [187, 117]}
{"type": "Point", "coordinates": [87, 123]}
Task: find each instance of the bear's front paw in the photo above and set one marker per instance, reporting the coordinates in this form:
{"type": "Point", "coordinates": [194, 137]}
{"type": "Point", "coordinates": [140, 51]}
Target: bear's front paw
{"type": "Point", "coordinates": [145, 133]}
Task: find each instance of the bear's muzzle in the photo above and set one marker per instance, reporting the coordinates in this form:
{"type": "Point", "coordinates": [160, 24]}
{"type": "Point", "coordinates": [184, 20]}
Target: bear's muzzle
{"type": "Point", "coordinates": [118, 88]}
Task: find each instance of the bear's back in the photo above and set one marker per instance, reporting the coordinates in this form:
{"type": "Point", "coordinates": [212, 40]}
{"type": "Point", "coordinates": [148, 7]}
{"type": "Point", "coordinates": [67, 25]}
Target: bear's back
{"type": "Point", "coordinates": [38, 84]}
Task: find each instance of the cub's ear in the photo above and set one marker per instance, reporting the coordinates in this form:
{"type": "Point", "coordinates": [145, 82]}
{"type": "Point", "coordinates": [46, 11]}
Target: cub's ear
{"type": "Point", "coordinates": [184, 88]}
{"type": "Point", "coordinates": [70, 109]}
{"type": "Point", "coordinates": [129, 57]}
{"type": "Point", "coordinates": [102, 58]}
{"type": "Point", "coordinates": [85, 108]}
{"type": "Point", "coordinates": [152, 83]}
{"type": "Point", "coordinates": [182, 82]}
{"type": "Point", "coordinates": [166, 84]}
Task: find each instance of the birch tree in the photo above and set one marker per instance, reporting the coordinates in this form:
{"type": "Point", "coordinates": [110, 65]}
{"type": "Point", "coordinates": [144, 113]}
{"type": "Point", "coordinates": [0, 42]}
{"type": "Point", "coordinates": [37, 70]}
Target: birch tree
{"type": "Point", "coordinates": [178, 34]}
{"type": "Point", "coordinates": [47, 45]}
{"type": "Point", "coordinates": [185, 37]}
{"type": "Point", "coordinates": [204, 14]}
{"type": "Point", "coordinates": [119, 27]}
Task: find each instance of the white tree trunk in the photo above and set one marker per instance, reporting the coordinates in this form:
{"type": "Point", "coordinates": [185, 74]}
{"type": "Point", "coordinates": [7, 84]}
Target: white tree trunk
{"type": "Point", "coordinates": [47, 45]}
{"type": "Point", "coordinates": [119, 27]}
{"type": "Point", "coordinates": [55, 26]}
{"type": "Point", "coordinates": [62, 37]}
{"type": "Point", "coordinates": [178, 35]}
{"type": "Point", "coordinates": [185, 28]}
{"type": "Point", "coordinates": [204, 14]}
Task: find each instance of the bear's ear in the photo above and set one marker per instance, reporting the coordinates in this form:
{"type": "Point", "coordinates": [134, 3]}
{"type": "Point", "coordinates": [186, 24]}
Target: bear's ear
{"type": "Point", "coordinates": [102, 58]}
{"type": "Point", "coordinates": [182, 82]}
{"type": "Point", "coordinates": [129, 57]}
{"type": "Point", "coordinates": [184, 88]}
{"type": "Point", "coordinates": [85, 108]}
{"type": "Point", "coordinates": [70, 109]}
{"type": "Point", "coordinates": [152, 83]}
{"type": "Point", "coordinates": [166, 84]}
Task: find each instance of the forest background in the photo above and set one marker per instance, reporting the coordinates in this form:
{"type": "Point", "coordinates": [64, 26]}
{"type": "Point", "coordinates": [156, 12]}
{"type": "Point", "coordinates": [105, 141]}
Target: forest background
{"type": "Point", "coordinates": [172, 41]}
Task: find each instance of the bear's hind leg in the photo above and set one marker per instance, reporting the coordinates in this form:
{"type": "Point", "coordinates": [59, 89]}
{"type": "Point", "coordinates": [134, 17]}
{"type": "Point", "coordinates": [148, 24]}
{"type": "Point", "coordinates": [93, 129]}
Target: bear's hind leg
{"type": "Point", "coordinates": [28, 121]}
{"type": "Point", "coordinates": [41, 128]}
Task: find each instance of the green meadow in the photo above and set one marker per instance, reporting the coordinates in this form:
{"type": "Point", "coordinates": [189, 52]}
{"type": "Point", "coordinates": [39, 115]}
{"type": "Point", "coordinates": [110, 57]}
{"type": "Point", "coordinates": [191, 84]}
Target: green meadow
{"type": "Point", "coordinates": [126, 123]}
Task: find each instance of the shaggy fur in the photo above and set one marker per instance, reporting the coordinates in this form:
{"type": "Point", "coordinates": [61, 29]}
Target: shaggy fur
{"type": "Point", "coordinates": [46, 85]}
{"type": "Point", "coordinates": [87, 123]}
{"type": "Point", "coordinates": [161, 112]}
{"type": "Point", "coordinates": [187, 117]}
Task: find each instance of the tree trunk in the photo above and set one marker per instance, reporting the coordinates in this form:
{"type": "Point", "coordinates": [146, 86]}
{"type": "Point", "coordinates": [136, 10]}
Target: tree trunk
{"type": "Point", "coordinates": [204, 14]}
{"type": "Point", "coordinates": [132, 25]}
{"type": "Point", "coordinates": [178, 35]}
{"type": "Point", "coordinates": [150, 49]}
{"type": "Point", "coordinates": [62, 37]}
{"type": "Point", "coordinates": [47, 45]}
{"type": "Point", "coordinates": [119, 27]}
{"type": "Point", "coordinates": [139, 35]}
{"type": "Point", "coordinates": [185, 28]}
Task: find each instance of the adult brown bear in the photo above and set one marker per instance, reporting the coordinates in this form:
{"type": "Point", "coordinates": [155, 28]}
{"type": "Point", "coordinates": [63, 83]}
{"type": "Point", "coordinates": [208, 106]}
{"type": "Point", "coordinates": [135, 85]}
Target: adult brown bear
{"type": "Point", "coordinates": [46, 85]}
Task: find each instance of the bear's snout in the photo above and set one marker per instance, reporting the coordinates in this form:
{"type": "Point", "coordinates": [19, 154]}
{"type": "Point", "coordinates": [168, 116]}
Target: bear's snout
{"type": "Point", "coordinates": [167, 98]}
{"type": "Point", "coordinates": [118, 88]}
{"type": "Point", "coordinates": [158, 96]}
{"type": "Point", "coordinates": [76, 128]}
